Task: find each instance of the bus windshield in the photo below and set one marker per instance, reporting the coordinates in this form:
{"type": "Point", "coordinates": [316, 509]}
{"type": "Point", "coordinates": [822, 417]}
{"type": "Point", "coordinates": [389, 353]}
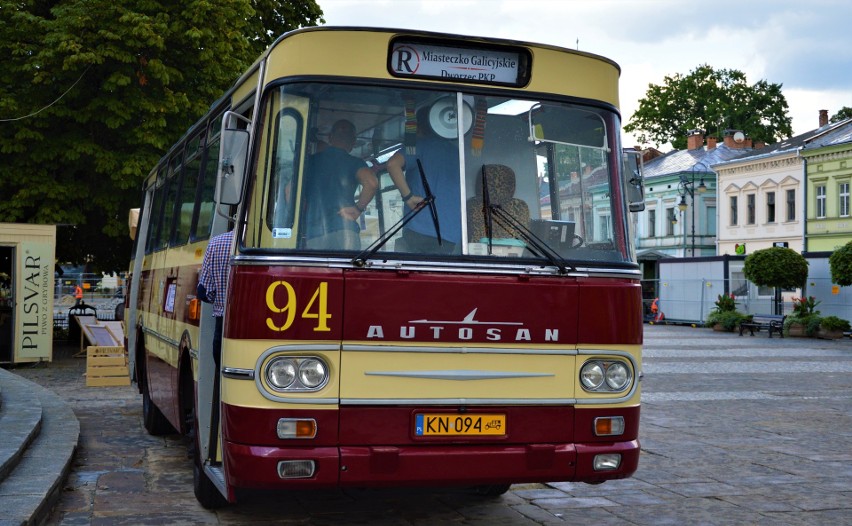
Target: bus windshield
{"type": "Point", "coordinates": [347, 169]}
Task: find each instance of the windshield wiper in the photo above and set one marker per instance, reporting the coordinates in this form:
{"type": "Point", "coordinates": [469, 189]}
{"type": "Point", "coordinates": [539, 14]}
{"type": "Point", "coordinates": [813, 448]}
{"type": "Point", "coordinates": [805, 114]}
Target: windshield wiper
{"type": "Point", "coordinates": [428, 200]}
{"type": "Point", "coordinates": [536, 245]}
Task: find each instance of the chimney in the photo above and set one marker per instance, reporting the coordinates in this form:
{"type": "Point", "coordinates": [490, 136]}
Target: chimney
{"type": "Point", "coordinates": [694, 139]}
{"type": "Point", "coordinates": [759, 144]}
{"type": "Point", "coordinates": [711, 142]}
{"type": "Point", "coordinates": [823, 118]}
{"type": "Point", "coordinates": [736, 139]}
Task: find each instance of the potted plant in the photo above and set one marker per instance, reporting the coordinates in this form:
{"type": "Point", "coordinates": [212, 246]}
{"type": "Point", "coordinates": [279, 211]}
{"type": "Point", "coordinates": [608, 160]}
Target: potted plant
{"type": "Point", "coordinates": [805, 319]}
{"type": "Point", "coordinates": [725, 316]}
{"type": "Point", "coordinates": [832, 328]}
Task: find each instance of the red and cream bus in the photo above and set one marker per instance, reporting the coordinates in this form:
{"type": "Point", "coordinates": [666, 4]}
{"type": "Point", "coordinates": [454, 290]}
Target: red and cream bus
{"type": "Point", "coordinates": [454, 299]}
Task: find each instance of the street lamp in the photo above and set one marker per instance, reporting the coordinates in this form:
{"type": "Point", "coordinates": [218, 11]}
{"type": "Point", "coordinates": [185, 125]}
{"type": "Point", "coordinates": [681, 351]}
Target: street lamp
{"type": "Point", "coordinates": [687, 187]}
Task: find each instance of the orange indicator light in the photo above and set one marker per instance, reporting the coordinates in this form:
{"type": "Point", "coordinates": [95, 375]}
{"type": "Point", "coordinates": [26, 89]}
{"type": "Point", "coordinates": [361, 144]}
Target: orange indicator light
{"type": "Point", "coordinates": [194, 309]}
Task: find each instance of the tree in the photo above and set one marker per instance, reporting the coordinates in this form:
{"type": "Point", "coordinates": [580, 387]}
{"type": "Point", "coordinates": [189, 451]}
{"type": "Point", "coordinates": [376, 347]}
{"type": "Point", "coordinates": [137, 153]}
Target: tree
{"type": "Point", "coordinates": [713, 101]}
{"type": "Point", "coordinates": [777, 267]}
{"type": "Point", "coordinates": [840, 264]}
{"type": "Point", "coordinates": [844, 113]}
{"type": "Point", "coordinates": [95, 91]}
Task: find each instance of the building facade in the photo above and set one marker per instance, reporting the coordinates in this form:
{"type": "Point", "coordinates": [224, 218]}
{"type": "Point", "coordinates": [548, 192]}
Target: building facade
{"type": "Point", "coordinates": [828, 162]}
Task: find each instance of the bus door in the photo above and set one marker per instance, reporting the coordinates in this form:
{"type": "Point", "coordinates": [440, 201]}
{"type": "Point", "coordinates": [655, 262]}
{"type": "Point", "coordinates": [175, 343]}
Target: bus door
{"type": "Point", "coordinates": [228, 147]}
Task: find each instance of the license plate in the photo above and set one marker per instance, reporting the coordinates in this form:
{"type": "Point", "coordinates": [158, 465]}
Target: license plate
{"type": "Point", "coordinates": [444, 424]}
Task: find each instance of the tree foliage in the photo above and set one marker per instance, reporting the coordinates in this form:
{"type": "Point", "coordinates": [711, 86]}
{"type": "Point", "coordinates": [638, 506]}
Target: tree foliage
{"type": "Point", "coordinates": [776, 267]}
{"type": "Point", "coordinates": [711, 100]}
{"type": "Point", "coordinates": [844, 113]}
{"type": "Point", "coordinates": [840, 264]}
{"type": "Point", "coordinates": [93, 92]}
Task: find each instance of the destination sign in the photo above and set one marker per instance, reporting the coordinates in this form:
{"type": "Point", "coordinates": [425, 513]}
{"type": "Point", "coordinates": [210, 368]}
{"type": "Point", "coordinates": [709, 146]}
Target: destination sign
{"type": "Point", "coordinates": [485, 65]}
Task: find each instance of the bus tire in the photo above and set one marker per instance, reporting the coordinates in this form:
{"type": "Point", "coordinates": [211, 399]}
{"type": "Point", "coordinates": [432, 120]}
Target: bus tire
{"type": "Point", "coordinates": [491, 490]}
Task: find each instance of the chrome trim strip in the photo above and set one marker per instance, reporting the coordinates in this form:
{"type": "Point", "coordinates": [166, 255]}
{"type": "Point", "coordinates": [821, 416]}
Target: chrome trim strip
{"type": "Point", "coordinates": [170, 341]}
{"type": "Point", "coordinates": [456, 350]}
{"type": "Point", "coordinates": [433, 266]}
{"type": "Point", "coordinates": [458, 401]}
{"type": "Point", "coordinates": [622, 354]}
{"type": "Point", "coordinates": [237, 373]}
{"type": "Point", "coordinates": [458, 374]}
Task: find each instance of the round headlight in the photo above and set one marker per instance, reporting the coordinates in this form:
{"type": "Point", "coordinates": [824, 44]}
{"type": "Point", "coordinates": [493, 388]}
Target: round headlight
{"type": "Point", "coordinates": [281, 373]}
{"type": "Point", "coordinates": [617, 376]}
{"type": "Point", "coordinates": [592, 375]}
{"type": "Point", "coordinates": [312, 373]}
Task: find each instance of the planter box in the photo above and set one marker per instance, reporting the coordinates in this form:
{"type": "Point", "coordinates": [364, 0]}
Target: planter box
{"type": "Point", "coordinates": [797, 330]}
{"type": "Point", "coordinates": [826, 334]}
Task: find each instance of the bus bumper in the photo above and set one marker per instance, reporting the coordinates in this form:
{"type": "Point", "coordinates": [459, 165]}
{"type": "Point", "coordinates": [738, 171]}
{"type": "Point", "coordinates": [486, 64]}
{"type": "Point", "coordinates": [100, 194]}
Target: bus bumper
{"type": "Point", "coordinates": [445, 465]}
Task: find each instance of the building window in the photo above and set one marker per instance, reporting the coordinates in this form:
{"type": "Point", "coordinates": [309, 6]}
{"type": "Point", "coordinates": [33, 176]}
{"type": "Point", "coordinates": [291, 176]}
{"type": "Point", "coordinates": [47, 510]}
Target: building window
{"type": "Point", "coordinates": [820, 202]}
{"type": "Point", "coordinates": [734, 210]}
{"type": "Point", "coordinates": [652, 223]}
{"type": "Point", "coordinates": [791, 205]}
{"type": "Point", "coordinates": [711, 221]}
{"type": "Point", "coordinates": [670, 221]}
{"type": "Point", "coordinates": [770, 207]}
{"type": "Point", "coordinates": [750, 205]}
{"type": "Point", "coordinates": [843, 192]}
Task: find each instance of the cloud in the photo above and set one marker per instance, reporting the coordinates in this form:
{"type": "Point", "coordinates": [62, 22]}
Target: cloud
{"type": "Point", "coordinates": [802, 46]}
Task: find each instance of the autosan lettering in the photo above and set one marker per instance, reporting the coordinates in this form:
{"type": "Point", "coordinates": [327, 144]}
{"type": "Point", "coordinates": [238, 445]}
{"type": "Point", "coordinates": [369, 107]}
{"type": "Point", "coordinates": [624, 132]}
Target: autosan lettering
{"type": "Point", "coordinates": [467, 329]}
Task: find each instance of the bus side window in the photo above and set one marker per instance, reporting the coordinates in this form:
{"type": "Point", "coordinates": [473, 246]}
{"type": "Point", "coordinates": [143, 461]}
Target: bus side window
{"type": "Point", "coordinates": [206, 206]}
{"type": "Point", "coordinates": [156, 211]}
{"type": "Point", "coordinates": [173, 184]}
{"type": "Point", "coordinates": [188, 192]}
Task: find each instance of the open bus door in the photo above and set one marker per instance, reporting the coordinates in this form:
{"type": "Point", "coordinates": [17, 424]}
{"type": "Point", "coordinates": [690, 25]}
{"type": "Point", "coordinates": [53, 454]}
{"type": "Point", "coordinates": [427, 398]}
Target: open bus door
{"type": "Point", "coordinates": [209, 478]}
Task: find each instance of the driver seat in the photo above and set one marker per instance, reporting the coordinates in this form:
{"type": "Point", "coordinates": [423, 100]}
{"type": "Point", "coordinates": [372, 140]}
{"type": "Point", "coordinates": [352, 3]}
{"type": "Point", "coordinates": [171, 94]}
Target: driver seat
{"type": "Point", "coordinates": [501, 193]}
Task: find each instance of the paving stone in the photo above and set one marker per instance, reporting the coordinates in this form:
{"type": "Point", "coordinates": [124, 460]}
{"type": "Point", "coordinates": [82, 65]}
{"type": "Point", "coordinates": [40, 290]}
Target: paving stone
{"type": "Point", "coordinates": [732, 432]}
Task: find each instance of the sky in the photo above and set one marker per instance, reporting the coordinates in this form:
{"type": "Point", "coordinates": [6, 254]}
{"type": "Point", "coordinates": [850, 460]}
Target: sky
{"type": "Point", "coordinates": [804, 46]}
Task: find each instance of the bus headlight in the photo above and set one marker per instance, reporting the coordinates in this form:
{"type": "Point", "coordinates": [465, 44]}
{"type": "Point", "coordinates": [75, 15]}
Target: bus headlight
{"type": "Point", "coordinates": [617, 376]}
{"type": "Point", "coordinates": [281, 373]}
{"type": "Point", "coordinates": [605, 376]}
{"type": "Point", "coordinates": [312, 373]}
{"type": "Point", "coordinates": [592, 375]}
{"type": "Point", "coordinates": [296, 373]}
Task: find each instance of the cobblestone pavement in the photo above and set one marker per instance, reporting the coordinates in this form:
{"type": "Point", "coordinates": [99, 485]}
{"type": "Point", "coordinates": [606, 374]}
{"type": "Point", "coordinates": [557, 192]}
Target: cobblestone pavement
{"type": "Point", "coordinates": [735, 430]}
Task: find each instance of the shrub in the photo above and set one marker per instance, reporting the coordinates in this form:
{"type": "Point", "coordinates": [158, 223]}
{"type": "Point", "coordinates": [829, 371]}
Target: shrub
{"type": "Point", "coordinates": [810, 322]}
{"type": "Point", "coordinates": [725, 303]}
{"type": "Point", "coordinates": [805, 306]}
{"type": "Point", "coordinates": [840, 264]}
{"type": "Point", "coordinates": [833, 323]}
{"type": "Point", "coordinates": [776, 267]}
{"type": "Point", "coordinates": [728, 319]}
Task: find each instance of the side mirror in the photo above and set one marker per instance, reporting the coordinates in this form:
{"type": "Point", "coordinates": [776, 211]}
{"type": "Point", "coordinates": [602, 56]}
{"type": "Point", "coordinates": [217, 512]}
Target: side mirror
{"type": "Point", "coordinates": [634, 184]}
{"type": "Point", "coordinates": [232, 162]}
{"type": "Point", "coordinates": [232, 166]}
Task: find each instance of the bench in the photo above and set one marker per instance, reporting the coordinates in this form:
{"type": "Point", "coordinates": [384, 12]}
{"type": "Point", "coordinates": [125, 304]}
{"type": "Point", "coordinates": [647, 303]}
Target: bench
{"type": "Point", "coordinates": [770, 322]}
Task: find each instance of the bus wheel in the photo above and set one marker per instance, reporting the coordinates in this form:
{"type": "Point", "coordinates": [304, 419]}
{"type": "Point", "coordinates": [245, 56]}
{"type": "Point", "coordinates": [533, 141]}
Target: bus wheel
{"type": "Point", "coordinates": [206, 493]}
{"type": "Point", "coordinates": [491, 490]}
{"type": "Point", "coordinates": [155, 423]}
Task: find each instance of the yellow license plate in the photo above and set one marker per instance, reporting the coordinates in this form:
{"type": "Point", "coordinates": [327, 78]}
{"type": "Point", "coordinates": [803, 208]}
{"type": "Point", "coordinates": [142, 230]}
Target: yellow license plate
{"type": "Point", "coordinates": [445, 424]}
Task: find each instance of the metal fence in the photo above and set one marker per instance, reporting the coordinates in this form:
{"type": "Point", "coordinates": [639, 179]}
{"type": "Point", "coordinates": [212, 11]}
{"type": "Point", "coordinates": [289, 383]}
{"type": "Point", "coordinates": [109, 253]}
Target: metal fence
{"type": "Point", "coordinates": [103, 294]}
{"type": "Point", "coordinates": [690, 301]}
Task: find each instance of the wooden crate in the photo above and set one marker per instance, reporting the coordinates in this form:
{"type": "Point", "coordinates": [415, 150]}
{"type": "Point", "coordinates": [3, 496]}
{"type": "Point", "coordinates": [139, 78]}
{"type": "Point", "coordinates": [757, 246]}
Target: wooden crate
{"type": "Point", "coordinates": [106, 366]}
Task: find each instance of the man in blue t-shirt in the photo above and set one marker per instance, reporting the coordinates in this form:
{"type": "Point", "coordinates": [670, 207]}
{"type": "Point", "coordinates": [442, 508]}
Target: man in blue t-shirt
{"type": "Point", "coordinates": [440, 160]}
{"type": "Point", "coordinates": [333, 177]}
